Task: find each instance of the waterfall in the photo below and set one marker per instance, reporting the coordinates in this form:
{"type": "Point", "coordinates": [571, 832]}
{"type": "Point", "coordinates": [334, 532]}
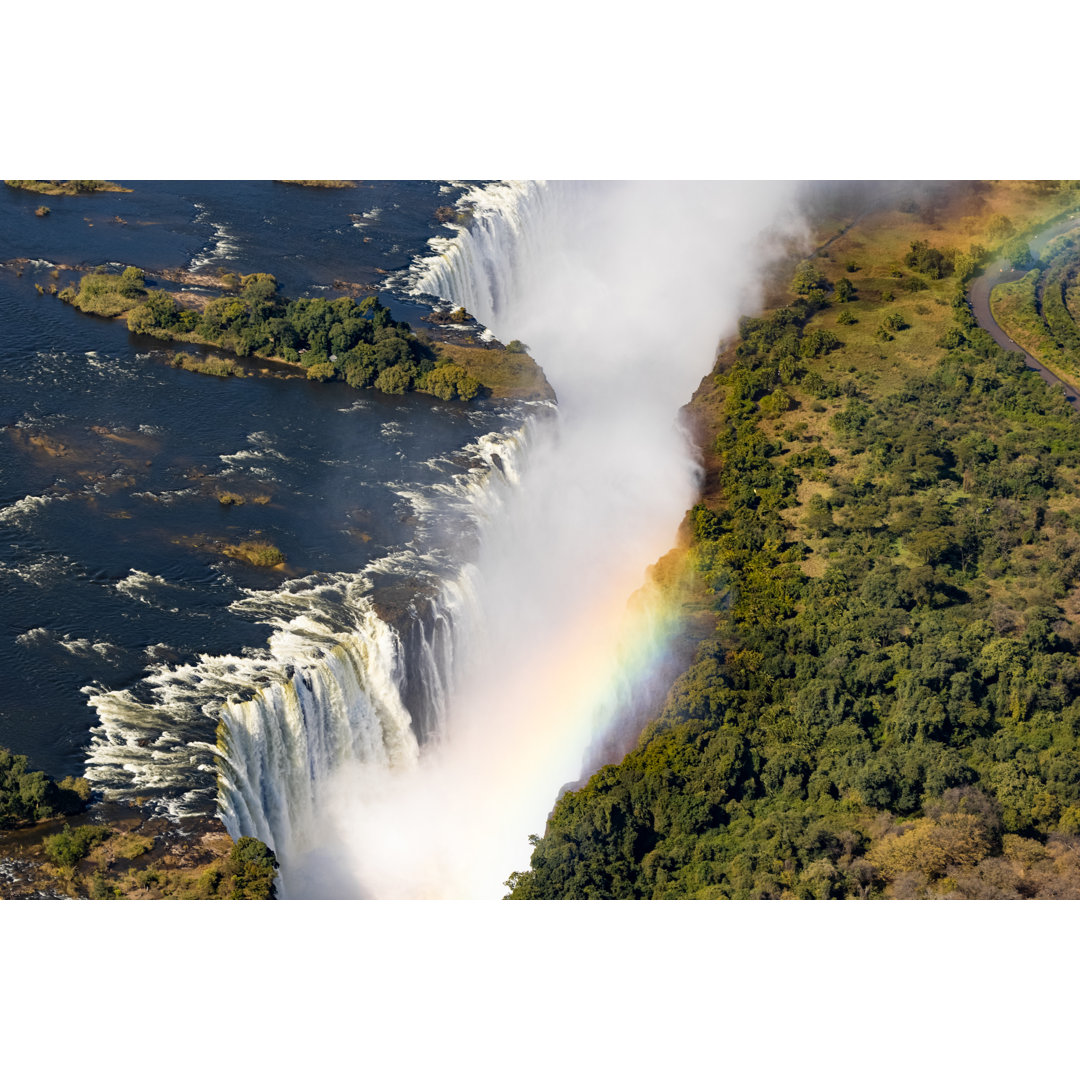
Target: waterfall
{"type": "Point", "coordinates": [337, 681]}
{"type": "Point", "coordinates": [413, 756]}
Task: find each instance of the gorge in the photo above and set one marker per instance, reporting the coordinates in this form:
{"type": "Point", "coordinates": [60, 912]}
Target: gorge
{"type": "Point", "coordinates": [622, 292]}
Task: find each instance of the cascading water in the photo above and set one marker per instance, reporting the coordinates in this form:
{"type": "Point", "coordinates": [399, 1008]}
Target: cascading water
{"type": "Point", "coordinates": [336, 682]}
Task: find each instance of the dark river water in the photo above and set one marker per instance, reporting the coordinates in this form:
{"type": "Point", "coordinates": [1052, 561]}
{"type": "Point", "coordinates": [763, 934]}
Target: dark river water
{"type": "Point", "coordinates": [112, 462]}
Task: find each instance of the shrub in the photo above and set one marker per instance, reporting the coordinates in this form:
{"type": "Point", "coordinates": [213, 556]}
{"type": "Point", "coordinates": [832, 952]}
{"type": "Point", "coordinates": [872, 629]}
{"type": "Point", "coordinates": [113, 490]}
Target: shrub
{"type": "Point", "coordinates": [133, 846]}
{"type": "Point", "coordinates": [74, 794]}
{"type": "Point", "coordinates": [396, 379]}
{"type": "Point", "coordinates": [808, 278]}
{"type": "Point", "coordinates": [250, 870]}
{"type": "Point", "coordinates": [158, 312]}
{"type": "Point", "coordinates": [448, 381]}
{"type": "Point", "coordinates": [131, 282]}
{"type": "Point", "coordinates": [222, 367]}
{"type": "Point", "coordinates": [779, 401]}
{"type": "Point", "coordinates": [103, 294]}
{"type": "Point", "coordinates": [30, 796]}
{"type": "Point", "coordinates": [928, 260]}
{"type": "Point", "coordinates": [845, 290]}
{"type": "Point", "coordinates": [323, 371]}
{"type": "Point", "coordinates": [100, 889]}
{"type": "Point", "coordinates": [67, 847]}
{"type": "Point", "coordinates": [1018, 254]}
{"type": "Point", "coordinates": [818, 343]}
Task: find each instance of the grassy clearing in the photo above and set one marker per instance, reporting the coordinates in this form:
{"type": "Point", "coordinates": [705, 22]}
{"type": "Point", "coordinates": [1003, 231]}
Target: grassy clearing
{"type": "Point", "coordinates": [871, 254]}
{"type": "Point", "coordinates": [221, 366]}
{"type": "Point", "coordinates": [109, 295]}
{"type": "Point", "coordinates": [507, 374]}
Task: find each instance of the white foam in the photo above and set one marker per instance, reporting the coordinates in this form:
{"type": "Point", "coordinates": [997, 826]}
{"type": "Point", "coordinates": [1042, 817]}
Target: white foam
{"type": "Point", "coordinates": [225, 244]}
{"type": "Point", "coordinates": [139, 585]}
{"type": "Point", "coordinates": [83, 648]}
{"type": "Point", "coordinates": [29, 505]}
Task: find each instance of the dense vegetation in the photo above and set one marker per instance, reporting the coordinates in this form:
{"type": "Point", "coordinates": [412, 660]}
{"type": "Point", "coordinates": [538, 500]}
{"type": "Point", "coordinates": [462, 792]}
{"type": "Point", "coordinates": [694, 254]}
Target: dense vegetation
{"type": "Point", "coordinates": [248, 873]}
{"type": "Point", "coordinates": [27, 796]}
{"type": "Point", "coordinates": [887, 706]}
{"type": "Point", "coordinates": [360, 343]}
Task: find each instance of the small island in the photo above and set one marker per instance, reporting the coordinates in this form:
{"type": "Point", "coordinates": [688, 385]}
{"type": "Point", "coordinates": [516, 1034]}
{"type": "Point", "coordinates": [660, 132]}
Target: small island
{"type": "Point", "coordinates": [321, 183]}
{"type": "Point", "coordinates": [358, 343]}
{"type": "Point", "coordinates": [65, 187]}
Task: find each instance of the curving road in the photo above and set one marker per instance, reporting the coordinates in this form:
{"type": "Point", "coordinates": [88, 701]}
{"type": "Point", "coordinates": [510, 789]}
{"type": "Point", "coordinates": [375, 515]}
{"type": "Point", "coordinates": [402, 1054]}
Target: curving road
{"type": "Point", "coordinates": [999, 272]}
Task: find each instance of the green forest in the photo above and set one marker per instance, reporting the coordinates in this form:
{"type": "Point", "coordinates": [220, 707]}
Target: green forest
{"type": "Point", "coordinates": [27, 795]}
{"type": "Point", "coordinates": [887, 706]}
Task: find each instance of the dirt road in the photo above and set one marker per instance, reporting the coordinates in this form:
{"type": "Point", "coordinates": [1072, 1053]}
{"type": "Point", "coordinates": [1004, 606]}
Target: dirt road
{"type": "Point", "coordinates": [999, 272]}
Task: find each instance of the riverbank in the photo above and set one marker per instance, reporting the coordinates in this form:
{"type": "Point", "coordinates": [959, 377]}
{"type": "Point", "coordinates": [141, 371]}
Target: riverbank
{"type": "Point", "coordinates": [102, 850]}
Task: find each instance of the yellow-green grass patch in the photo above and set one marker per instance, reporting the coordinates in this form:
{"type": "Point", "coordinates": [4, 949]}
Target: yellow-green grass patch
{"type": "Point", "coordinates": [507, 374]}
